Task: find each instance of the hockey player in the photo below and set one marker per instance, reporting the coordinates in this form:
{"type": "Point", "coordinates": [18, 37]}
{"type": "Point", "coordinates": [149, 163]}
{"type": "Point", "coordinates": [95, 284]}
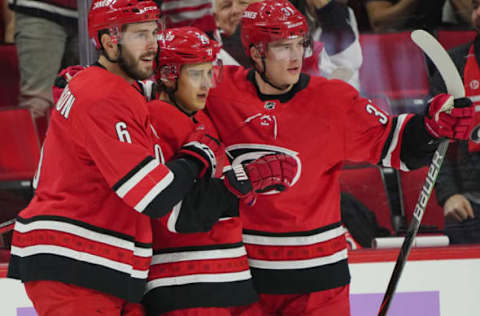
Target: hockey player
{"type": "Point", "coordinates": [83, 245]}
{"type": "Point", "coordinates": [202, 273]}
{"type": "Point", "coordinates": [294, 240]}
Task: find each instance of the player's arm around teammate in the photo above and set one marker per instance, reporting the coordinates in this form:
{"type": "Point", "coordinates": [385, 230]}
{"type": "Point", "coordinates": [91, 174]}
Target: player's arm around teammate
{"type": "Point", "coordinates": [208, 266]}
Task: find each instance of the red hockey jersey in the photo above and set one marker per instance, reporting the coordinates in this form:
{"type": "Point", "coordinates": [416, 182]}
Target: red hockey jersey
{"type": "Point", "coordinates": [207, 269]}
{"type": "Point", "coordinates": [320, 123]}
{"type": "Point", "coordinates": [97, 177]}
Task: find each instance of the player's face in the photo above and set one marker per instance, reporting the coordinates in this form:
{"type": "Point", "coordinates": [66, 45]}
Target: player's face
{"type": "Point", "coordinates": [476, 15]}
{"type": "Point", "coordinates": [194, 83]}
{"type": "Point", "coordinates": [283, 61]}
{"type": "Point", "coordinates": [138, 49]}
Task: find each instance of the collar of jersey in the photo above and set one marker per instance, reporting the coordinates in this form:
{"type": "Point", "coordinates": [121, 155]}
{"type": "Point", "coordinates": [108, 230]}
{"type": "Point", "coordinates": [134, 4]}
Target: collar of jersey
{"type": "Point", "coordinates": [301, 84]}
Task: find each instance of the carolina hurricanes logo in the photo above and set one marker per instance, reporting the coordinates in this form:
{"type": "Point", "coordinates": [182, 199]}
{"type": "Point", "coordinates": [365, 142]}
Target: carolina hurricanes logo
{"type": "Point", "coordinates": [475, 134]}
{"type": "Point", "coordinates": [474, 84]}
{"type": "Point", "coordinates": [244, 153]}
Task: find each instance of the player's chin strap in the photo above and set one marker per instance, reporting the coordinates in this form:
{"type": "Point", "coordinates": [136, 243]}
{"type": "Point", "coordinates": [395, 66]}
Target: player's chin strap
{"type": "Point", "coordinates": [264, 77]}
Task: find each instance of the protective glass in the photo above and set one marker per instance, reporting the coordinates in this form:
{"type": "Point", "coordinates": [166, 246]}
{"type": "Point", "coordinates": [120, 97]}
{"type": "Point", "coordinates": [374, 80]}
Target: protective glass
{"type": "Point", "coordinates": [206, 77]}
{"type": "Point", "coordinates": [289, 49]}
{"type": "Point", "coordinates": [140, 34]}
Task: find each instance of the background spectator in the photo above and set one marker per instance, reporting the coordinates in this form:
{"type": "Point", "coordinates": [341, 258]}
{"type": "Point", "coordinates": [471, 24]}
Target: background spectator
{"type": "Point", "coordinates": [396, 15]}
{"type": "Point", "coordinates": [333, 26]}
{"type": "Point", "coordinates": [47, 40]}
{"type": "Point", "coordinates": [457, 12]}
{"type": "Point", "coordinates": [197, 13]}
{"type": "Point", "coordinates": [7, 29]}
{"type": "Point", "coordinates": [458, 184]}
{"type": "Point", "coordinates": [358, 6]}
{"type": "Point", "coordinates": [227, 16]}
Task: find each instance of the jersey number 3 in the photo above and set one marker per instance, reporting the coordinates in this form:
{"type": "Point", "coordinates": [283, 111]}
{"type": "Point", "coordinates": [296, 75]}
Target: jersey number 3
{"type": "Point", "coordinates": [382, 118]}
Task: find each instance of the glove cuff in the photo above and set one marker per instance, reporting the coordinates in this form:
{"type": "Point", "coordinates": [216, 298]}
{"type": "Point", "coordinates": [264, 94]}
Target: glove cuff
{"type": "Point", "coordinates": [237, 181]}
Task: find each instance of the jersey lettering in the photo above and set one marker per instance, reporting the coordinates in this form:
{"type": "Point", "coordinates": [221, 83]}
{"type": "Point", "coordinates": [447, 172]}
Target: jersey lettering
{"type": "Point", "coordinates": [382, 118]}
{"type": "Point", "coordinates": [65, 103]}
{"type": "Point", "coordinates": [123, 134]}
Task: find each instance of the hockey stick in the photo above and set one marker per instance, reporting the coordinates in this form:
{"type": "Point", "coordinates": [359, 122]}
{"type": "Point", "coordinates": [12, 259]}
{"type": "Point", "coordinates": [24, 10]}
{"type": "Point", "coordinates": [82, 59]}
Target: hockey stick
{"type": "Point", "coordinates": [455, 87]}
{"type": "Point", "coordinates": [7, 226]}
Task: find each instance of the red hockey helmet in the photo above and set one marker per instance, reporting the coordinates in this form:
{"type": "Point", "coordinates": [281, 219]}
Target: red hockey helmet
{"type": "Point", "coordinates": [271, 20]}
{"type": "Point", "coordinates": [112, 14]}
{"type": "Point", "coordinates": [184, 45]}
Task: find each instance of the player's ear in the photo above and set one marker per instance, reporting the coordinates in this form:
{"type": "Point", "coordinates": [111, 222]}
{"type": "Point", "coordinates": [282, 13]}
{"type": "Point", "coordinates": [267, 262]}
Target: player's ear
{"type": "Point", "coordinates": [109, 44]}
{"type": "Point", "coordinates": [256, 57]}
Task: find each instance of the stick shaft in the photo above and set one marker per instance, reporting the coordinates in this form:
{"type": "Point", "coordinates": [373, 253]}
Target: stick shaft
{"type": "Point", "coordinates": [412, 231]}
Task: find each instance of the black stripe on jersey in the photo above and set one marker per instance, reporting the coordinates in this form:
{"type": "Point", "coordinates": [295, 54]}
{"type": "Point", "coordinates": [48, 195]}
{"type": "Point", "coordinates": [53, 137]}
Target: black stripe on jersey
{"type": "Point", "coordinates": [83, 225]}
{"type": "Point", "coordinates": [293, 234]}
{"type": "Point", "coordinates": [222, 294]}
{"type": "Point", "coordinates": [198, 248]}
{"type": "Point", "coordinates": [301, 280]}
{"type": "Point", "coordinates": [185, 172]}
{"type": "Point", "coordinates": [386, 146]}
{"type": "Point", "coordinates": [418, 146]}
{"type": "Point", "coordinates": [132, 172]}
{"type": "Point", "coordinates": [92, 276]}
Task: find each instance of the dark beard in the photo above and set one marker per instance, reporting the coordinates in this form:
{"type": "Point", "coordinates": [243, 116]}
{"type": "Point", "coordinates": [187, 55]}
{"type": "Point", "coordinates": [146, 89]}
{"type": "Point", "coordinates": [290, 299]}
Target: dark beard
{"type": "Point", "coordinates": [130, 67]}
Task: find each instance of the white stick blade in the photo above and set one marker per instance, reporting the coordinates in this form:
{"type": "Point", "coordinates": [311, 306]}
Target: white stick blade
{"type": "Point", "coordinates": [432, 48]}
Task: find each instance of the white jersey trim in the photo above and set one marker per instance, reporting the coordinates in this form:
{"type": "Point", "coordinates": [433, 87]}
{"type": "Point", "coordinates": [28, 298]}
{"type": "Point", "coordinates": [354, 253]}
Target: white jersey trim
{"type": "Point", "coordinates": [387, 161]}
{"type": "Point", "coordinates": [84, 233]}
{"type": "Point", "coordinates": [298, 264]}
{"type": "Point", "coordinates": [199, 255]}
{"type": "Point", "coordinates": [80, 256]}
{"type": "Point", "coordinates": [156, 190]}
{"type": "Point", "coordinates": [474, 98]}
{"type": "Point", "coordinates": [137, 177]}
{"type": "Point", "coordinates": [173, 218]}
{"type": "Point", "coordinates": [293, 241]}
{"type": "Point", "coordinates": [199, 278]}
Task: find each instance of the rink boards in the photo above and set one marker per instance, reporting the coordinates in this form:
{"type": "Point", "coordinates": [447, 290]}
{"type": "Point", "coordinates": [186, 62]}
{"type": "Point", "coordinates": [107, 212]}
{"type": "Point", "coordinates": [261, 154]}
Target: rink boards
{"type": "Point", "coordinates": [435, 282]}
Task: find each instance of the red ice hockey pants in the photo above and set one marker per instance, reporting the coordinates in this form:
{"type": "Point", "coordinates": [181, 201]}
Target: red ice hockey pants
{"type": "Point", "coordinates": [333, 302]}
{"type": "Point", "coordinates": [52, 298]}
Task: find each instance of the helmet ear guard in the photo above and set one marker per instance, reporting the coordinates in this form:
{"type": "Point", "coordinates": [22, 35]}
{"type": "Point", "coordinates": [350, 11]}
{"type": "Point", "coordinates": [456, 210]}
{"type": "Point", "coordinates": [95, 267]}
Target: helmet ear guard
{"type": "Point", "coordinates": [167, 72]}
